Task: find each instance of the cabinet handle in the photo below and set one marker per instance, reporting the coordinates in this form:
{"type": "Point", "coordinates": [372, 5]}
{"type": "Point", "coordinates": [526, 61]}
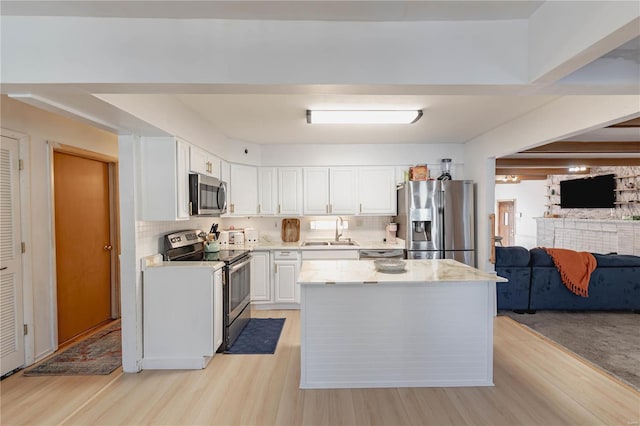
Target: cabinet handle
{"type": "Point", "coordinates": [330, 208]}
{"type": "Point", "coordinates": [278, 208]}
{"type": "Point", "coordinates": [259, 208]}
{"type": "Point", "coordinates": [360, 207]}
{"type": "Point", "coordinates": [276, 271]}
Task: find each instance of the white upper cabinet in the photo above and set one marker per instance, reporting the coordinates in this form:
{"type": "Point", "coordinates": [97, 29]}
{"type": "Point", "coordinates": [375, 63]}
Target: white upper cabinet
{"type": "Point", "coordinates": [343, 195]}
{"type": "Point", "coordinates": [330, 190]}
{"type": "Point", "coordinates": [164, 164]}
{"type": "Point", "coordinates": [243, 194]}
{"type": "Point", "coordinates": [203, 162]}
{"type": "Point", "coordinates": [316, 190]}
{"type": "Point", "coordinates": [267, 190]}
{"type": "Point", "coordinates": [290, 191]}
{"type": "Point", "coordinates": [377, 191]}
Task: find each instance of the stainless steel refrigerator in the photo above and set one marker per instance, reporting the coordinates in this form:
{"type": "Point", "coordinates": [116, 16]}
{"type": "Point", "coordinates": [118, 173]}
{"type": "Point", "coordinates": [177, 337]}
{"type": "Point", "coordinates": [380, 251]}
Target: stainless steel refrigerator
{"type": "Point", "coordinates": [436, 218]}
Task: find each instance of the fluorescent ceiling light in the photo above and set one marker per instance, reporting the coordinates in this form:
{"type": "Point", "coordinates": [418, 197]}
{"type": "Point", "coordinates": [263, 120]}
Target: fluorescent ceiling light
{"type": "Point", "coordinates": [363, 116]}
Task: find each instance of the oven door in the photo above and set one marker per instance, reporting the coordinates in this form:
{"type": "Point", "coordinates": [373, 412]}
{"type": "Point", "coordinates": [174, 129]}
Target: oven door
{"type": "Point", "coordinates": [238, 288]}
{"type": "Point", "coordinates": [207, 195]}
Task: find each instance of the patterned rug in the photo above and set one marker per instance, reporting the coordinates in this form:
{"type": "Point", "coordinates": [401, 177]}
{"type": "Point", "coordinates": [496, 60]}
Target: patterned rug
{"type": "Point", "coordinates": [260, 336]}
{"type": "Point", "coordinates": [609, 340]}
{"type": "Point", "coordinates": [95, 355]}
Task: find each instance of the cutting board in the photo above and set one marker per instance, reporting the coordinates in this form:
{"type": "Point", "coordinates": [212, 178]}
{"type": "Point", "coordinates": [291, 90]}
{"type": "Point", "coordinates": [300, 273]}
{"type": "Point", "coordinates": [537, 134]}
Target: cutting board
{"type": "Point", "coordinates": [290, 230]}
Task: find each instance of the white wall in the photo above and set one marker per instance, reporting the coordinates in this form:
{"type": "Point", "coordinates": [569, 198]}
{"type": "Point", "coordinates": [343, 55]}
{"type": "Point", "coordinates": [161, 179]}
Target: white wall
{"type": "Point", "coordinates": [42, 126]}
{"type": "Point", "coordinates": [529, 196]}
{"type": "Point", "coordinates": [565, 117]}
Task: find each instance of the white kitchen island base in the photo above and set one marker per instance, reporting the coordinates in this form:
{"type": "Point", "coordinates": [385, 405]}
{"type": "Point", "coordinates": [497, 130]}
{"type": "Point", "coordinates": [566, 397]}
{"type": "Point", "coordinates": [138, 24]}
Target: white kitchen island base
{"type": "Point", "coordinates": [396, 333]}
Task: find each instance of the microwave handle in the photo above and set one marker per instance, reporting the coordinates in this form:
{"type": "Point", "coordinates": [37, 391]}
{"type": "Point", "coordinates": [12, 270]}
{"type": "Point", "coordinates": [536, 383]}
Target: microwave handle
{"type": "Point", "coordinates": [223, 208]}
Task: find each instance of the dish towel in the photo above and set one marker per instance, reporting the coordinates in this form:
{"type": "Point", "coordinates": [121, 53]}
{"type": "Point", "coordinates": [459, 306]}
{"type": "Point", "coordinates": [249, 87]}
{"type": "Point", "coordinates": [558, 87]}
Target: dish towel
{"type": "Point", "coordinates": [575, 268]}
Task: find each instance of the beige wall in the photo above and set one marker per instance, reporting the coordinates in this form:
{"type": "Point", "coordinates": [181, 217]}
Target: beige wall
{"type": "Point", "coordinates": [42, 126]}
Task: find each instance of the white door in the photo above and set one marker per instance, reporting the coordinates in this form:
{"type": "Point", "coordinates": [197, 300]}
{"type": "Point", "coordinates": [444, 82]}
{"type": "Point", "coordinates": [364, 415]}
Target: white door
{"type": "Point", "coordinates": [316, 190]}
{"type": "Point", "coordinates": [267, 190]}
{"type": "Point", "coordinates": [198, 161]}
{"type": "Point", "coordinates": [377, 190]}
{"type": "Point", "coordinates": [244, 196]}
{"type": "Point", "coordinates": [260, 282]}
{"type": "Point", "coordinates": [290, 191]}
{"type": "Point", "coordinates": [218, 310]}
{"type": "Point", "coordinates": [11, 315]}
{"type": "Point", "coordinates": [343, 198]}
{"type": "Point", "coordinates": [286, 282]}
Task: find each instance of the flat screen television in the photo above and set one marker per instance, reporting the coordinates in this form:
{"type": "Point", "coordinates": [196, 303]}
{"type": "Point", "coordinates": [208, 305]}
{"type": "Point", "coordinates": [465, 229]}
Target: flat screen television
{"type": "Point", "coordinates": [591, 192]}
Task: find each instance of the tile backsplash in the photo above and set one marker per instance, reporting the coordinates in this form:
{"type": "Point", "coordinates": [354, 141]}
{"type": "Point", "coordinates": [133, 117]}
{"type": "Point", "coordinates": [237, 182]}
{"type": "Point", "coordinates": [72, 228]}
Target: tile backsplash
{"type": "Point", "coordinates": [364, 228]}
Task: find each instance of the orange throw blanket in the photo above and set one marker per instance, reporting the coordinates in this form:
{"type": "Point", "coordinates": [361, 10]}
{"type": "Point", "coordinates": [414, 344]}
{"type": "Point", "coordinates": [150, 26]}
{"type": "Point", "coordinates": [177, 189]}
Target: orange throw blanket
{"type": "Point", "coordinates": [575, 268]}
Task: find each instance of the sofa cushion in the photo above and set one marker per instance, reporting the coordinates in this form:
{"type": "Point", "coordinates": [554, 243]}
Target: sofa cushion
{"type": "Point", "coordinates": [539, 257]}
{"type": "Point", "coordinates": [512, 256]}
{"type": "Point", "coordinates": [616, 260]}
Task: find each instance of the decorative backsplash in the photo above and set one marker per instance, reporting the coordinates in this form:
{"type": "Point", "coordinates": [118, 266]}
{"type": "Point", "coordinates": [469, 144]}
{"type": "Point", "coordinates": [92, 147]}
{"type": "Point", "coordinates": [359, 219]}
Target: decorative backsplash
{"type": "Point", "coordinates": [627, 195]}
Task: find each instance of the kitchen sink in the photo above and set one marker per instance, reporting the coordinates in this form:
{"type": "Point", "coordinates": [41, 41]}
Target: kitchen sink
{"type": "Point", "coordinates": [343, 243]}
{"type": "Point", "coordinates": [316, 243]}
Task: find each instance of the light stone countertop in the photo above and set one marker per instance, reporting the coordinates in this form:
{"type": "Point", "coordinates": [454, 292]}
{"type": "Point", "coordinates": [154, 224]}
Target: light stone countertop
{"type": "Point", "coordinates": [364, 272]}
{"type": "Point", "coordinates": [279, 245]}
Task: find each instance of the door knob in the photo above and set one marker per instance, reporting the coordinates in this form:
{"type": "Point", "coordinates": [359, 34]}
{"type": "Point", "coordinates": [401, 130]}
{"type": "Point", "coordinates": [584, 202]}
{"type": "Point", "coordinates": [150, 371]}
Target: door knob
{"type": "Point", "coordinates": [107, 248]}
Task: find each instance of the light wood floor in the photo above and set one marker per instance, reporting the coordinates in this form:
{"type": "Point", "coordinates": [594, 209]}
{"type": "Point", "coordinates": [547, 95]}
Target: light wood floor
{"type": "Point", "coordinates": [536, 383]}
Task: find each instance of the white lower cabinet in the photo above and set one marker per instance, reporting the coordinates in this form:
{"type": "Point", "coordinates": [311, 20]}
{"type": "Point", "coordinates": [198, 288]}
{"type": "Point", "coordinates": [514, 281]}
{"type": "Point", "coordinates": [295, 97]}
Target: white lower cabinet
{"type": "Point", "coordinates": [182, 316]}
{"type": "Point", "coordinates": [260, 277]}
{"type": "Point", "coordinates": [286, 268]}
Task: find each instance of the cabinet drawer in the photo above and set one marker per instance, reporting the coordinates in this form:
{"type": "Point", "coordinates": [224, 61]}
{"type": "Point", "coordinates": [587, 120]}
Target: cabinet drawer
{"type": "Point", "coordinates": [286, 255]}
{"type": "Point", "coordinates": [329, 254]}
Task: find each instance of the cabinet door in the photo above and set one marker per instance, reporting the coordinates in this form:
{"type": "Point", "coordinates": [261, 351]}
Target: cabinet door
{"type": "Point", "coordinates": [377, 191]}
{"type": "Point", "coordinates": [316, 190]}
{"type": "Point", "coordinates": [342, 190]}
{"type": "Point", "coordinates": [218, 310]}
{"type": "Point", "coordinates": [244, 195]}
{"type": "Point", "coordinates": [260, 277]}
{"type": "Point", "coordinates": [285, 282]}
{"type": "Point", "coordinates": [198, 161]}
{"type": "Point", "coordinates": [267, 190]}
{"type": "Point", "coordinates": [182, 179]}
{"type": "Point", "coordinates": [290, 191]}
{"type": "Point", "coordinates": [164, 179]}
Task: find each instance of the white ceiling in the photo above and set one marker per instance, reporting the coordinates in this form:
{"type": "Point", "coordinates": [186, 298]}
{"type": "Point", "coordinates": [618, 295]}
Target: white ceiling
{"type": "Point", "coordinates": [281, 119]}
{"type": "Point", "coordinates": [455, 114]}
{"type": "Point", "coordinates": [389, 10]}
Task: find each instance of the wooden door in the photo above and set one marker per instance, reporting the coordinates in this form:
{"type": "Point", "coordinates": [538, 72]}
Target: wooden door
{"type": "Point", "coordinates": [506, 225]}
{"type": "Point", "coordinates": [83, 247]}
{"type": "Point", "coordinates": [11, 297]}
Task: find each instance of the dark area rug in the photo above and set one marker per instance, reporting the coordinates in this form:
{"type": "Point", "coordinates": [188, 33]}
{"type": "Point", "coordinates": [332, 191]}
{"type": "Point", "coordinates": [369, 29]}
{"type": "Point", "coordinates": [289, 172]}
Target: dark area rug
{"type": "Point", "coordinates": [260, 336]}
{"type": "Point", "coordinates": [98, 354]}
{"type": "Point", "coordinates": [609, 340]}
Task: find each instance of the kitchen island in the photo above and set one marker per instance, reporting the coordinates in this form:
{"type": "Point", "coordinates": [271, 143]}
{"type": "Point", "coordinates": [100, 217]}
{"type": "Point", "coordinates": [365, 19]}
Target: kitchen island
{"type": "Point", "coordinates": [431, 325]}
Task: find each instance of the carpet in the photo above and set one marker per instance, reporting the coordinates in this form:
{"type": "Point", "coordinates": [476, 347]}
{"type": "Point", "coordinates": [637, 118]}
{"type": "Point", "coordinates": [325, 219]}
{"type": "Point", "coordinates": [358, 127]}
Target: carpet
{"type": "Point", "coordinates": [98, 354]}
{"type": "Point", "coordinates": [609, 340]}
{"type": "Point", "coordinates": [260, 336]}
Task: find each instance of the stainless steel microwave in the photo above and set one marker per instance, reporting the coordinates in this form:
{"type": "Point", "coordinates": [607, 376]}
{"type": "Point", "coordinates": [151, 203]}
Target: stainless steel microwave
{"type": "Point", "coordinates": [207, 195]}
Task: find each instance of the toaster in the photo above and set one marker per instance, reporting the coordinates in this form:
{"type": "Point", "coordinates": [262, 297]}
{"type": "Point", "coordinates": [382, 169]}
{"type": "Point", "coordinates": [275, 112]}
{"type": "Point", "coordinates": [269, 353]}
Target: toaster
{"type": "Point", "coordinates": [251, 235]}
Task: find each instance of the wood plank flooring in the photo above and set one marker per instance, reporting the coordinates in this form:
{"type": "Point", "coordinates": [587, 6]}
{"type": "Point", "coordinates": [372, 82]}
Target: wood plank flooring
{"type": "Point", "coordinates": [536, 383]}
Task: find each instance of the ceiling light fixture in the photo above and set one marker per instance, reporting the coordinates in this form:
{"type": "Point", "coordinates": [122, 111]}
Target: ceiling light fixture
{"type": "Point", "coordinates": [577, 169]}
{"type": "Point", "coordinates": [363, 116]}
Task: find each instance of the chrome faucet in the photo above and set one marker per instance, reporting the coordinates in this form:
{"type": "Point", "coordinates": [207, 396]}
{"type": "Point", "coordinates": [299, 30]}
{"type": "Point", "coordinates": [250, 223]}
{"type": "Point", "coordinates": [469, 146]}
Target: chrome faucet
{"type": "Point", "coordinates": [339, 223]}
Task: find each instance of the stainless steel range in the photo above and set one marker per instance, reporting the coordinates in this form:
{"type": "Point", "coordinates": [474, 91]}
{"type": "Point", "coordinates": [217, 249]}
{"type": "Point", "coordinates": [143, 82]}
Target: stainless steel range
{"type": "Point", "coordinates": [189, 246]}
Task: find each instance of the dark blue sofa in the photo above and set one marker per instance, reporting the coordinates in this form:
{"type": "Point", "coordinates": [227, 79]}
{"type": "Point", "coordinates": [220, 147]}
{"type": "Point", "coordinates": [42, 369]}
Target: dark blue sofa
{"type": "Point", "coordinates": [614, 285]}
{"type": "Point", "coordinates": [513, 263]}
